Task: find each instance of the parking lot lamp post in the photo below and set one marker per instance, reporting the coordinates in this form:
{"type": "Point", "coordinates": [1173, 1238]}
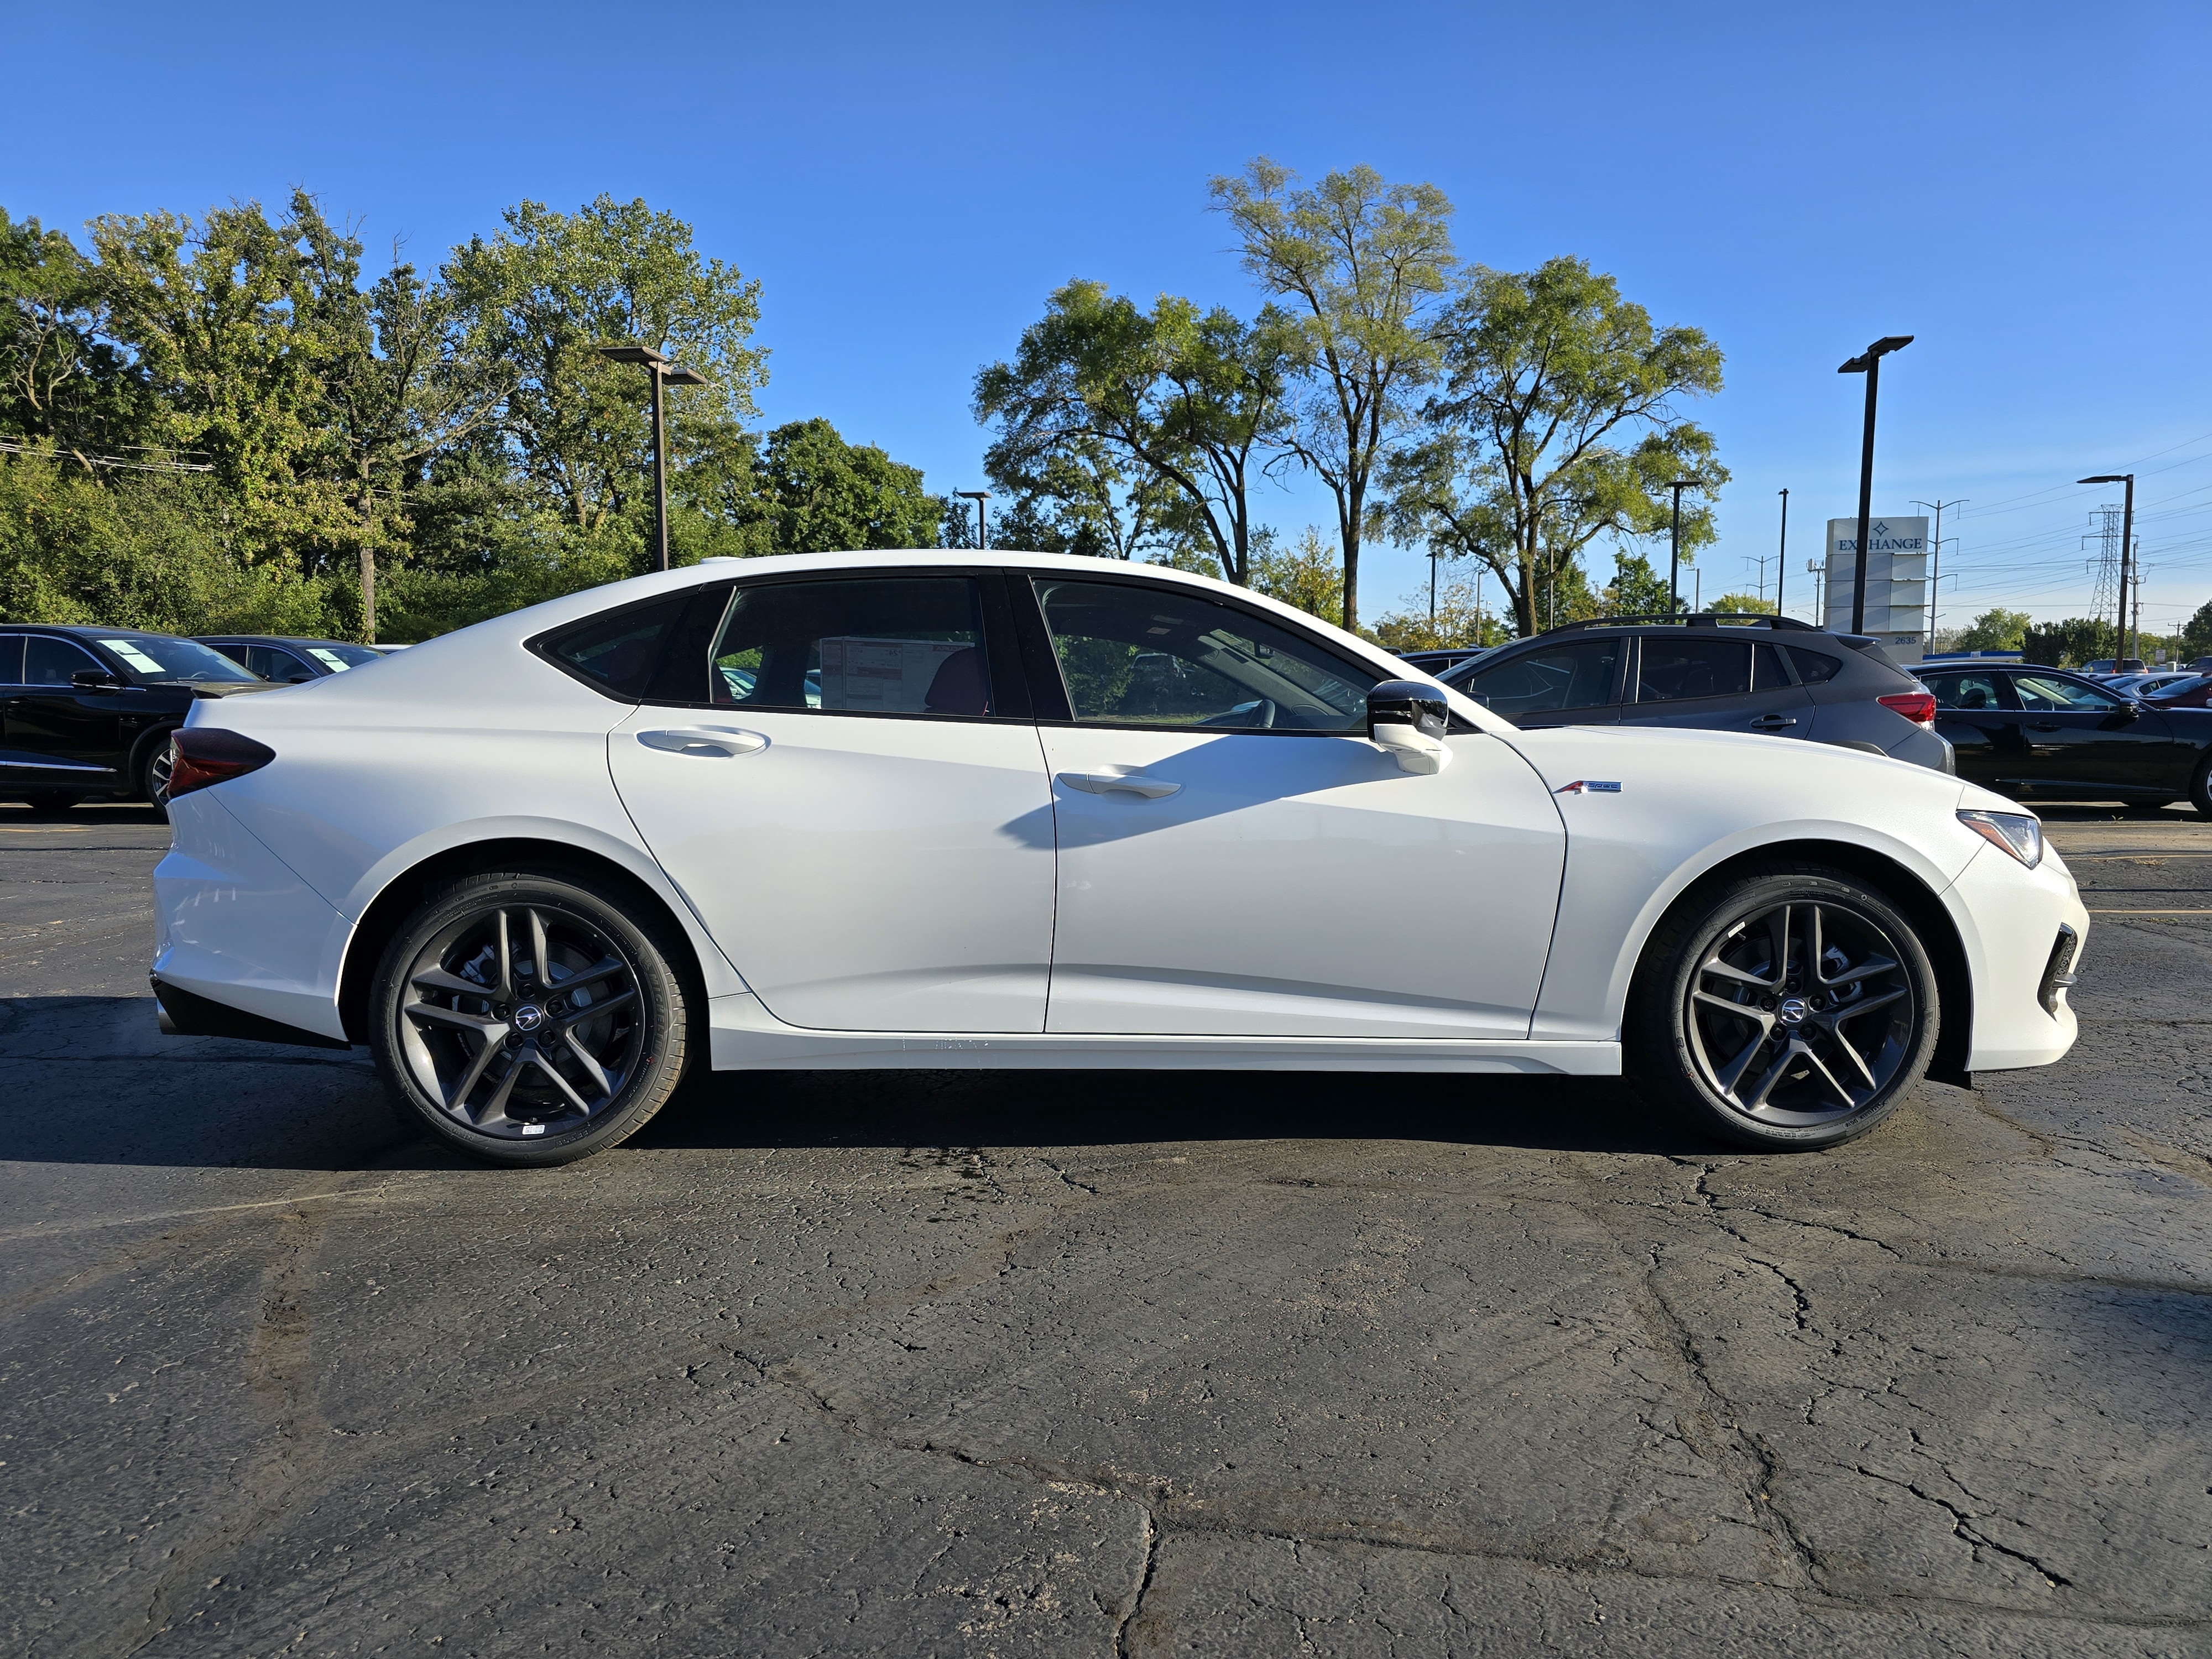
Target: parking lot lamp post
{"type": "Point", "coordinates": [978, 496]}
{"type": "Point", "coordinates": [2127, 547]}
{"type": "Point", "coordinates": [658, 369]}
{"type": "Point", "coordinates": [1869, 363]}
{"type": "Point", "coordinates": [1674, 547]}
{"type": "Point", "coordinates": [1782, 554]}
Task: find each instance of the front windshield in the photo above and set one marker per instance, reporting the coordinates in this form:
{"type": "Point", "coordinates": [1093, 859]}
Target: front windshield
{"type": "Point", "coordinates": [2175, 688]}
{"type": "Point", "coordinates": [158, 656]}
{"type": "Point", "coordinates": [339, 657]}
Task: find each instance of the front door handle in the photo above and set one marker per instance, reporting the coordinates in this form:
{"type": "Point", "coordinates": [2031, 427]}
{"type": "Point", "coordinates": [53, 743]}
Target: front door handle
{"type": "Point", "coordinates": [2052, 726]}
{"type": "Point", "coordinates": [712, 741]}
{"type": "Point", "coordinates": [1116, 783]}
{"type": "Point", "coordinates": [1774, 722]}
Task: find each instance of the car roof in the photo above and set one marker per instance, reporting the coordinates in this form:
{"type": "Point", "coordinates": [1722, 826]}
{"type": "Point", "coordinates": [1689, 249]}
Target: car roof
{"type": "Point", "coordinates": [91, 630]}
{"type": "Point", "coordinates": [270, 639]}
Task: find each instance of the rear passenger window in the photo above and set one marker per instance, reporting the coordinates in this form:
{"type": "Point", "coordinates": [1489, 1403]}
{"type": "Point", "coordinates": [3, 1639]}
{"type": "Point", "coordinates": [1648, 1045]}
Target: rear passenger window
{"type": "Point", "coordinates": [1674, 671]}
{"type": "Point", "coordinates": [1766, 671]}
{"type": "Point", "coordinates": [910, 645]}
{"type": "Point", "coordinates": [1547, 682]}
{"type": "Point", "coordinates": [615, 653]}
{"type": "Point", "coordinates": [11, 659]}
{"type": "Point", "coordinates": [1814, 667]}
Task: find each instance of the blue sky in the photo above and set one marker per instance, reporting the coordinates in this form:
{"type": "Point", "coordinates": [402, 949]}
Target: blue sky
{"type": "Point", "coordinates": [2020, 186]}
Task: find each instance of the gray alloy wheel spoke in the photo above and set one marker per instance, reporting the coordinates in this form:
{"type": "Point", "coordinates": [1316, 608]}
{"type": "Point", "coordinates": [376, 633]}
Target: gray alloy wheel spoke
{"type": "Point", "coordinates": [437, 979]}
{"type": "Point", "coordinates": [477, 1022]}
{"type": "Point", "coordinates": [543, 1062]}
{"type": "Point", "coordinates": [1725, 970]}
{"type": "Point", "coordinates": [1772, 1075]}
{"type": "Point", "coordinates": [1740, 1009]}
{"type": "Point", "coordinates": [457, 1098]}
{"type": "Point", "coordinates": [1777, 936]}
{"type": "Point", "coordinates": [619, 999]}
{"type": "Point", "coordinates": [1732, 1073]}
{"type": "Point", "coordinates": [503, 984]}
{"type": "Point", "coordinates": [598, 970]}
{"type": "Point", "coordinates": [493, 1113]}
{"type": "Point", "coordinates": [1857, 1060]}
{"type": "Point", "coordinates": [539, 966]}
{"type": "Point", "coordinates": [590, 1062]}
{"type": "Point", "coordinates": [1837, 1017]}
{"type": "Point", "coordinates": [1832, 1080]}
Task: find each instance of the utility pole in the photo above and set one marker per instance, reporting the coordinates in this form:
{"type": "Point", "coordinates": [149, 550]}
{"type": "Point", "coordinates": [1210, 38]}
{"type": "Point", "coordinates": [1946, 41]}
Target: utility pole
{"type": "Point", "coordinates": [1936, 560]}
{"type": "Point", "coordinates": [1818, 573]}
{"type": "Point", "coordinates": [1675, 547]}
{"type": "Point", "coordinates": [663, 374]}
{"type": "Point", "coordinates": [1782, 554]}
{"type": "Point", "coordinates": [2127, 544]}
{"type": "Point", "coordinates": [1868, 363]}
{"type": "Point", "coordinates": [1433, 592]}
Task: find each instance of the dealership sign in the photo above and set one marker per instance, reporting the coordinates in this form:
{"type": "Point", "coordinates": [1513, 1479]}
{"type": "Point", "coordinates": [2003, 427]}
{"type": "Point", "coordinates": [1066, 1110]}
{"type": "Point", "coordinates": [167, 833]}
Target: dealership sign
{"type": "Point", "coordinates": [1896, 577]}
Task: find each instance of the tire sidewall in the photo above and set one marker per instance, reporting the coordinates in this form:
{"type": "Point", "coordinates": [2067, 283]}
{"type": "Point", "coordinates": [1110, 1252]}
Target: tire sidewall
{"type": "Point", "coordinates": [1663, 1019]}
{"type": "Point", "coordinates": [660, 1067]}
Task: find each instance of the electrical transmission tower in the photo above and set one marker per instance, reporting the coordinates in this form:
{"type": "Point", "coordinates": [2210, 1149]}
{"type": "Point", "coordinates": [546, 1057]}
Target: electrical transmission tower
{"type": "Point", "coordinates": [2105, 561]}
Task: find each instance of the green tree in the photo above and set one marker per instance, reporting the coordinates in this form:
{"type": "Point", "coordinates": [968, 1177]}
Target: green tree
{"type": "Point", "coordinates": [1743, 605]}
{"type": "Point", "coordinates": [1637, 589]}
{"type": "Point", "coordinates": [1363, 265]}
{"type": "Point", "coordinates": [2071, 643]}
{"type": "Point", "coordinates": [1309, 574]}
{"type": "Point", "coordinates": [1557, 422]}
{"type": "Point", "coordinates": [2197, 634]}
{"type": "Point", "coordinates": [1458, 620]}
{"type": "Point", "coordinates": [815, 493]}
{"type": "Point", "coordinates": [63, 381]}
{"type": "Point", "coordinates": [1163, 418]}
{"type": "Point", "coordinates": [540, 297]}
{"type": "Point", "coordinates": [1997, 629]}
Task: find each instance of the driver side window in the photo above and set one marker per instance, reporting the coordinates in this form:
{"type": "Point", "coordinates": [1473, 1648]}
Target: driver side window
{"type": "Point", "coordinates": [1147, 655]}
{"type": "Point", "coordinates": [2044, 694]}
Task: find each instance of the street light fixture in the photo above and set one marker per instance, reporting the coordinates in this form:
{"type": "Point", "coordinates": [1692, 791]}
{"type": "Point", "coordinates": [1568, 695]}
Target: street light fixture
{"type": "Point", "coordinates": [978, 496]}
{"type": "Point", "coordinates": [2127, 549]}
{"type": "Point", "coordinates": [1674, 545]}
{"type": "Point", "coordinates": [662, 373]}
{"type": "Point", "coordinates": [1869, 363]}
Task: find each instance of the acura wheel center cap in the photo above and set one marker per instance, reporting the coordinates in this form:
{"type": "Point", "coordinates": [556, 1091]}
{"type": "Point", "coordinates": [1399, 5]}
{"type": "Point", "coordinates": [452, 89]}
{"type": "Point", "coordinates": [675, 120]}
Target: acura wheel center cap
{"type": "Point", "coordinates": [1791, 1012]}
{"type": "Point", "coordinates": [529, 1016]}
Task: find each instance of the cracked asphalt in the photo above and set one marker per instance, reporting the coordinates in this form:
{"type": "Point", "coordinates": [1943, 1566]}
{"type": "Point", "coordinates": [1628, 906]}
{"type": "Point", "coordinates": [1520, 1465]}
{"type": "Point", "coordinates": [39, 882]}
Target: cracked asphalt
{"type": "Point", "coordinates": [1095, 1363]}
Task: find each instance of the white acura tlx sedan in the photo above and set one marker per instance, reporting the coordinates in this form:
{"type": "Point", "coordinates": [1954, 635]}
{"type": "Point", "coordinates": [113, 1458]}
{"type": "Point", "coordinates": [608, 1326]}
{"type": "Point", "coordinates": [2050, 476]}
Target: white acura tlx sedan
{"type": "Point", "coordinates": [994, 809]}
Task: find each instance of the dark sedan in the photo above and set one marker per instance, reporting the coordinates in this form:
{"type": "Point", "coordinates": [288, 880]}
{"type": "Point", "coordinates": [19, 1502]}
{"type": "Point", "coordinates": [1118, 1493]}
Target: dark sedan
{"type": "Point", "coordinates": [2046, 734]}
{"type": "Point", "coordinates": [290, 661]}
{"type": "Point", "coordinates": [89, 711]}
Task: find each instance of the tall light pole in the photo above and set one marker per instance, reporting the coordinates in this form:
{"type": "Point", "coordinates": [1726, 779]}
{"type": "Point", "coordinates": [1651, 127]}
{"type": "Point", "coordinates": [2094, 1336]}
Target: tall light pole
{"type": "Point", "coordinates": [1675, 547]}
{"type": "Point", "coordinates": [1936, 561]}
{"type": "Point", "coordinates": [2127, 548]}
{"type": "Point", "coordinates": [1782, 554]}
{"type": "Point", "coordinates": [978, 496]}
{"type": "Point", "coordinates": [1868, 363]}
{"type": "Point", "coordinates": [661, 374]}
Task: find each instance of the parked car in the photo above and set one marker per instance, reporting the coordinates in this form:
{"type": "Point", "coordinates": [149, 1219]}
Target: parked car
{"type": "Point", "coordinates": [1273, 853]}
{"type": "Point", "coordinates": [1436, 662]}
{"type": "Point", "coordinates": [2046, 734]}
{"type": "Point", "coordinates": [89, 711]}
{"type": "Point", "coordinates": [288, 661]}
{"type": "Point", "coordinates": [2106, 667]}
{"type": "Point", "coordinates": [2149, 683]}
{"type": "Point", "coordinates": [1772, 675]}
{"type": "Point", "coordinates": [2194, 692]}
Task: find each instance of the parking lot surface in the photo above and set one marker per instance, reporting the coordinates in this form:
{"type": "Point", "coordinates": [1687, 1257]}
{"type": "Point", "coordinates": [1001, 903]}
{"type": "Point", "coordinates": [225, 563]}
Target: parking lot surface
{"type": "Point", "coordinates": [1087, 1363]}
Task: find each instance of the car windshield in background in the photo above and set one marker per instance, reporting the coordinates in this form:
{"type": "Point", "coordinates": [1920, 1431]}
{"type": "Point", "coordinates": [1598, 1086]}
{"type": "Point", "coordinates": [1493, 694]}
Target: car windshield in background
{"type": "Point", "coordinates": [158, 657]}
{"type": "Point", "coordinates": [339, 657]}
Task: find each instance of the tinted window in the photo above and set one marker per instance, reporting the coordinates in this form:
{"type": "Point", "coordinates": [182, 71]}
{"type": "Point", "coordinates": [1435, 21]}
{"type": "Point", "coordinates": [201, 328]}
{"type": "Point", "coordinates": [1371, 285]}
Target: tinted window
{"type": "Point", "coordinates": [272, 664]}
{"type": "Point", "coordinates": [1963, 691]}
{"type": "Point", "coordinates": [339, 657]}
{"type": "Point", "coordinates": [1549, 680]}
{"type": "Point", "coordinates": [1156, 656]}
{"type": "Point", "coordinates": [1766, 671]}
{"type": "Point", "coordinates": [11, 659]}
{"type": "Point", "coordinates": [48, 661]}
{"type": "Point", "coordinates": [619, 652]}
{"type": "Point", "coordinates": [158, 657]}
{"type": "Point", "coordinates": [1814, 667]}
{"type": "Point", "coordinates": [1674, 670]}
{"type": "Point", "coordinates": [2047, 694]}
{"type": "Point", "coordinates": [898, 646]}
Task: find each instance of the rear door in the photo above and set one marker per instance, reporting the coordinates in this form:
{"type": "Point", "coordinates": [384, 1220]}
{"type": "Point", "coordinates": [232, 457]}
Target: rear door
{"type": "Point", "coordinates": [69, 733]}
{"type": "Point", "coordinates": [852, 796]}
{"type": "Point", "coordinates": [1973, 710]}
{"type": "Point", "coordinates": [1719, 684]}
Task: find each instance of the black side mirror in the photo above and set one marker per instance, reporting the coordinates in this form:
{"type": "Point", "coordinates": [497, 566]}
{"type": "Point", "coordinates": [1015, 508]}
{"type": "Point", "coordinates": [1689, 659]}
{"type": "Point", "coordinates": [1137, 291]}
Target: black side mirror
{"type": "Point", "coordinates": [95, 679]}
{"type": "Point", "coordinates": [1407, 703]}
{"type": "Point", "coordinates": [300, 678]}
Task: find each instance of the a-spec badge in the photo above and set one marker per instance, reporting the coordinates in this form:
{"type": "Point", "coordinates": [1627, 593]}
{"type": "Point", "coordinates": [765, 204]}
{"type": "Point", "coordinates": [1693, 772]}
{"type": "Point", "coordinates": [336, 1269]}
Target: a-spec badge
{"type": "Point", "coordinates": [1589, 787]}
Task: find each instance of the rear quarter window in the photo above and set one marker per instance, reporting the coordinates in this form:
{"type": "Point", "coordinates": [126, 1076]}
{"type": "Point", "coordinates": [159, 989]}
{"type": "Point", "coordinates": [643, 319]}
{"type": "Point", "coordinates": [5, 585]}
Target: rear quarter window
{"type": "Point", "coordinates": [616, 652]}
{"type": "Point", "coordinates": [1815, 667]}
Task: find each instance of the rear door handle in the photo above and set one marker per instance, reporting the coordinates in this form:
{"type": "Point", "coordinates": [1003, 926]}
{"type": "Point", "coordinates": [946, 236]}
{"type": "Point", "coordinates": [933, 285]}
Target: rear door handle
{"type": "Point", "coordinates": [1116, 783]}
{"type": "Point", "coordinates": [2053, 727]}
{"type": "Point", "coordinates": [1774, 722]}
{"type": "Point", "coordinates": [712, 741]}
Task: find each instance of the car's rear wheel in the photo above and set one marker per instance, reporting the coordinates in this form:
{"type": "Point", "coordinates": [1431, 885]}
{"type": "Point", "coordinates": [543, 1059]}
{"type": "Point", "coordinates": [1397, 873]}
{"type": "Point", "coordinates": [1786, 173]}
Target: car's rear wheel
{"type": "Point", "coordinates": [1788, 1008]}
{"type": "Point", "coordinates": [154, 768]}
{"type": "Point", "coordinates": [528, 1019]}
{"type": "Point", "coordinates": [2200, 788]}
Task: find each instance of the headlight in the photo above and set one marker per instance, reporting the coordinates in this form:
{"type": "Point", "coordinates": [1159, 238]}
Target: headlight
{"type": "Point", "coordinates": [2018, 833]}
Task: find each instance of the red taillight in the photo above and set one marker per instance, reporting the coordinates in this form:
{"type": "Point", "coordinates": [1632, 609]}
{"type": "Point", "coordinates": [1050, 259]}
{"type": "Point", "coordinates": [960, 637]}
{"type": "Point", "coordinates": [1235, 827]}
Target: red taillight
{"type": "Point", "coordinates": [1919, 707]}
{"type": "Point", "coordinates": [202, 755]}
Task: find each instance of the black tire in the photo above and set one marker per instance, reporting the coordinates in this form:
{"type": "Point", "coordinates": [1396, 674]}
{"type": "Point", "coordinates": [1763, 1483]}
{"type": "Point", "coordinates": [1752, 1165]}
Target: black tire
{"type": "Point", "coordinates": [2200, 788]}
{"type": "Point", "coordinates": [1802, 1065]}
{"type": "Point", "coordinates": [153, 770]}
{"type": "Point", "coordinates": [458, 1035]}
{"type": "Point", "coordinates": [50, 800]}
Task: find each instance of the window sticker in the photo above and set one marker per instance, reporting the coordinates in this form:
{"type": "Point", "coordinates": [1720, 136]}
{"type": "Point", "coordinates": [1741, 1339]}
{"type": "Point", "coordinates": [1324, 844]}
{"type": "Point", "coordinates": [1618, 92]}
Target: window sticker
{"type": "Point", "coordinates": [131, 654]}
{"type": "Point", "coordinates": [885, 676]}
{"type": "Point", "coordinates": [330, 660]}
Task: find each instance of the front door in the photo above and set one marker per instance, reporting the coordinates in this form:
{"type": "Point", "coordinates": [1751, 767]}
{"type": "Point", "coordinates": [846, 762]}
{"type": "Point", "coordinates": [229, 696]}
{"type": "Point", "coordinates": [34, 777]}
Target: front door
{"type": "Point", "coordinates": [69, 733]}
{"type": "Point", "coordinates": [1237, 858]}
{"type": "Point", "coordinates": [855, 804]}
{"type": "Point", "coordinates": [2083, 741]}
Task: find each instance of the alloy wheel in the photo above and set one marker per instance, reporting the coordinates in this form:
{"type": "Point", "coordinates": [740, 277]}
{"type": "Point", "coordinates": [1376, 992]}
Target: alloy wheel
{"type": "Point", "coordinates": [1801, 1013]}
{"type": "Point", "coordinates": [521, 1021]}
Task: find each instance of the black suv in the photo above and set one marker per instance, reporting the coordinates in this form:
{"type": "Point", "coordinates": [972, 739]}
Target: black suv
{"type": "Point", "coordinates": [290, 661]}
{"type": "Point", "coordinates": [1729, 673]}
{"type": "Point", "coordinates": [89, 711]}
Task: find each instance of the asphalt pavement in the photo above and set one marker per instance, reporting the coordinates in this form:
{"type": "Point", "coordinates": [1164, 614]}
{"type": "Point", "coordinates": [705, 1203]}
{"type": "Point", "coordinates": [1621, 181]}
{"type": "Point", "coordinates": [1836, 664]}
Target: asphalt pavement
{"type": "Point", "coordinates": [1098, 1363]}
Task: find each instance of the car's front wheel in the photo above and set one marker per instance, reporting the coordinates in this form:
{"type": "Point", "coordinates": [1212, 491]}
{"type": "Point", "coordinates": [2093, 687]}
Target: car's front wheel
{"type": "Point", "coordinates": [1788, 1008]}
{"type": "Point", "coordinates": [528, 1019]}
